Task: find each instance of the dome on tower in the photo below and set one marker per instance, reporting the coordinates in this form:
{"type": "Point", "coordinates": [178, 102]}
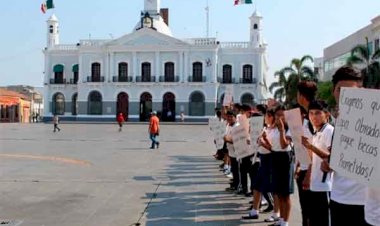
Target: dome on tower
{"type": "Point", "coordinates": [53, 18]}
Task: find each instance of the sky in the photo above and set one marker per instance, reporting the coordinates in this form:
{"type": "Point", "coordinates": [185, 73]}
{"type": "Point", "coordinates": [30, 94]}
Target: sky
{"type": "Point", "coordinates": [292, 28]}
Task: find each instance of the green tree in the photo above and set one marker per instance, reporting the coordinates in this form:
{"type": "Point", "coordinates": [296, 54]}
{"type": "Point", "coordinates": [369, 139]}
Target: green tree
{"type": "Point", "coordinates": [288, 78]}
{"type": "Point", "coordinates": [325, 92]}
{"type": "Point", "coordinates": [361, 57]}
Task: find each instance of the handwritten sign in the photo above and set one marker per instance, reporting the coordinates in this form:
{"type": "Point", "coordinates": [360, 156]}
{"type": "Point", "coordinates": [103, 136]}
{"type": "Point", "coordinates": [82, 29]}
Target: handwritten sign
{"type": "Point", "coordinates": [256, 128]}
{"type": "Point", "coordinates": [218, 130]}
{"type": "Point", "coordinates": [239, 139]}
{"type": "Point", "coordinates": [228, 96]}
{"type": "Point", "coordinates": [243, 120]}
{"type": "Point", "coordinates": [356, 144]}
{"type": "Point", "coordinates": [294, 120]}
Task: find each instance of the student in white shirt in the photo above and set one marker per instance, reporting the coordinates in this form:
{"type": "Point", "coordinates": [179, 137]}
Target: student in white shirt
{"type": "Point", "coordinates": [347, 195]}
{"type": "Point", "coordinates": [306, 92]}
{"type": "Point", "coordinates": [320, 145]}
{"type": "Point", "coordinates": [372, 207]}
{"type": "Point", "coordinates": [231, 123]}
{"type": "Point", "coordinates": [283, 166]}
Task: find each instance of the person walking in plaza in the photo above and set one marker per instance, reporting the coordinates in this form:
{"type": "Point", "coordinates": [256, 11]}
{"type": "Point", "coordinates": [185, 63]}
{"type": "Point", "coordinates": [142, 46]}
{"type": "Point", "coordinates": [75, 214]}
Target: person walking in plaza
{"type": "Point", "coordinates": [56, 122]}
{"type": "Point", "coordinates": [154, 130]}
{"type": "Point", "coordinates": [120, 120]}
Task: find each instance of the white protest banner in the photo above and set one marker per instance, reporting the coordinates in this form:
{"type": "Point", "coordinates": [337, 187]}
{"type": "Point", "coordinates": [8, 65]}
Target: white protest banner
{"type": "Point", "coordinates": [243, 120]}
{"type": "Point", "coordinates": [239, 139]}
{"type": "Point", "coordinates": [228, 96]}
{"type": "Point", "coordinates": [294, 120]}
{"type": "Point", "coordinates": [218, 130]}
{"type": "Point", "coordinates": [256, 128]}
{"type": "Point", "coordinates": [356, 143]}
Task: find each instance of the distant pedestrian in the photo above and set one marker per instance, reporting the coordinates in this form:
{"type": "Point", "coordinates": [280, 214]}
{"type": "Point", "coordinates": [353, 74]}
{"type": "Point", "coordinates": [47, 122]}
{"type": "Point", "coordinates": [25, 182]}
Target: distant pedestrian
{"type": "Point", "coordinates": [154, 129]}
{"type": "Point", "coordinates": [182, 115]}
{"type": "Point", "coordinates": [120, 120]}
{"type": "Point", "coordinates": [56, 122]}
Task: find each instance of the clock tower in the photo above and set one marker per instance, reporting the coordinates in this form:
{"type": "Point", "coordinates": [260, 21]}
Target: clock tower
{"type": "Point", "coordinates": [152, 6]}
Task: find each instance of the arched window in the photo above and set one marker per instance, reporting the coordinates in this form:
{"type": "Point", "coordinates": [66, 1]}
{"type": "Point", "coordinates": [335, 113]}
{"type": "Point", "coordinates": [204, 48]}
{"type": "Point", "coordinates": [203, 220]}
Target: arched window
{"type": "Point", "coordinates": [247, 98]}
{"type": "Point", "coordinates": [247, 73]}
{"type": "Point", "coordinates": [123, 72]}
{"type": "Point", "coordinates": [255, 26]}
{"type": "Point", "coordinates": [74, 104]}
{"type": "Point", "coordinates": [197, 104]}
{"type": "Point", "coordinates": [75, 73]}
{"type": "Point", "coordinates": [227, 73]}
{"type": "Point", "coordinates": [197, 72]}
{"type": "Point", "coordinates": [95, 72]}
{"type": "Point", "coordinates": [95, 103]}
{"type": "Point", "coordinates": [51, 29]}
{"type": "Point", "coordinates": [169, 72]}
{"type": "Point", "coordinates": [58, 74]}
{"type": "Point", "coordinates": [58, 104]}
{"type": "Point", "coordinates": [146, 72]}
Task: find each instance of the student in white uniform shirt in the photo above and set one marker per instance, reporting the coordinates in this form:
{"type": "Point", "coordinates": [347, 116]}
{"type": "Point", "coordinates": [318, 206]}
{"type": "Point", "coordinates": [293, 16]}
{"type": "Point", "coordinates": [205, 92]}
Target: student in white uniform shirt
{"type": "Point", "coordinates": [372, 207]}
{"type": "Point", "coordinates": [231, 123]}
{"type": "Point", "coordinates": [347, 195]}
{"type": "Point", "coordinates": [306, 92]}
{"type": "Point", "coordinates": [320, 145]}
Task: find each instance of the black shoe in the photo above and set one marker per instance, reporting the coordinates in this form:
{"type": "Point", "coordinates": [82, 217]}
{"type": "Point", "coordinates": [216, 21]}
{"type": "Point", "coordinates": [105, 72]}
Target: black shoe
{"type": "Point", "coordinates": [158, 144]}
{"type": "Point", "coordinates": [267, 210]}
{"type": "Point", "coordinates": [231, 189]}
{"type": "Point", "coordinates": [250, 207]}
{"type": "Point", "coordinates": [250, 217]}
{"type": "Point", "coordinates": [151, 147]}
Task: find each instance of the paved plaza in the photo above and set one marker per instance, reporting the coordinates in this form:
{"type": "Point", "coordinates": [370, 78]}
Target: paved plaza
{"type": "Point", "coordinates": [92, 175]}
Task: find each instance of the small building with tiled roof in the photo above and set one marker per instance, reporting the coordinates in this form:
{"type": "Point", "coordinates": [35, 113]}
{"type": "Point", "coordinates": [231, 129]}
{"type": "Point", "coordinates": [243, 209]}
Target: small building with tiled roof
{"type": "Point", "coordinates": [14, 107]}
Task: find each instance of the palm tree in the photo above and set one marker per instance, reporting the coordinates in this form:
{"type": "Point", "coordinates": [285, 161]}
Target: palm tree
{"type": "Point", "coordinates": [300, 70]}
{"type": "Point", "coordinates": [360, 56]}
{"type": "Point", "coordinates": [288, 79]}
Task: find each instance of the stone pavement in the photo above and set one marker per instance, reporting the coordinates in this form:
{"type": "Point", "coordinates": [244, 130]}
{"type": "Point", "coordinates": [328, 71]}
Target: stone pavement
{"type": "Point", "coordinates": [92, 175]}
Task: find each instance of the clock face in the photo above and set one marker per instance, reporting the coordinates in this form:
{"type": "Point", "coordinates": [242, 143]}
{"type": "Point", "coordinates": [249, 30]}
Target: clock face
{"type": "Point", "coordinates": [147, 22]}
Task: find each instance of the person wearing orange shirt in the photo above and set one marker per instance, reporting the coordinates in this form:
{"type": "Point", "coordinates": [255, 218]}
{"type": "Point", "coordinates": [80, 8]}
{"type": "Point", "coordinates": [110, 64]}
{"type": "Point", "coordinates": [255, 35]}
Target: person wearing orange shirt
{"type": "Point", "coordinates": [154, 129]}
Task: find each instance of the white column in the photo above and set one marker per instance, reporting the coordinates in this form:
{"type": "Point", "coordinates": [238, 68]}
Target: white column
{"type": "Point", "coordinates": [157, 63]}
{"type": "Point", "coordinates": [186, 74]}
{"type": "Point", "coordinates": [81, 75]}
{"type": "Point", "coordinates": [180, 68]}
{"type": "Point", "coordinates": [215, 67]}
{"type": "Point", "coordinates": [48, 71]}
{"type": "Point", "coordinates": [112, 66]}
{"type": "Point", "coordinates": [134, 65]}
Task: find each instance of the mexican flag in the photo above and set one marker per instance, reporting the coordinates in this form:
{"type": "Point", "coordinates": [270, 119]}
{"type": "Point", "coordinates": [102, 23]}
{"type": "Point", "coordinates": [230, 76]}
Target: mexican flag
{"type": "Point", "coordinates": [239, 2]}
{"type": "Point", "coordinates": [47, 5]}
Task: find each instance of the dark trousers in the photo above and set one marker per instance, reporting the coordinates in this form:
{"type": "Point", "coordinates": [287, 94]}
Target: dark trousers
{"type": "Point", "coordinates": [153, 139]}
{"type": "Point", "coordinates": [245, 168]}
{"type": "Point", "coordinates": [320, 201]}
{"type": "Point", "coordinates": [342, 214]}
{"type": "Point", "coordinates": [235, 172]}
{"type": "Point", "coordinates": [56, 127]}
{"type": "Point", "coordinates": [304, 197]}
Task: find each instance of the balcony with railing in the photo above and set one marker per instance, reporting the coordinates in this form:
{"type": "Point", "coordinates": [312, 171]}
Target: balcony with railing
{"type": "Point", "coordinates": [169, 79]}
{"type": "Point", "coordinates": [196, 79]}
{"type": "Point", "coordinates": [58, 81]}
{"type": "Point", "coordinates": [248, 81]}
{"type": "Point", "coordinates": [73, 81]}
{"type": "Point", "coordinates": [234, 45]}
{"type": "Point", "coordinates": [202, 41]}
{"type": "Point", "coordinates": [122, 79]}
{"type": "Point", "coordinates": [95, 79]}
{"type": "Point", "coordinates": [93, 42]}
{"type": "Point", "coordinates": [226, 80]}
{"type": "Point", "coordinates": [145, 79]}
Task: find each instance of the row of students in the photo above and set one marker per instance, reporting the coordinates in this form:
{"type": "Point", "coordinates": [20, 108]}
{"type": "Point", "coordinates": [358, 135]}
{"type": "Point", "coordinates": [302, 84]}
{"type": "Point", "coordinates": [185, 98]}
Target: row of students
{"type": "Point", "coordinates": [351, 203]}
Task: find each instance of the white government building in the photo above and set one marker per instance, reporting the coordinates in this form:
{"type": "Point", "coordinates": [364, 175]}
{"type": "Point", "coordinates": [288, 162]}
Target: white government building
{"type": "Point", "coordinates": [149, 69]}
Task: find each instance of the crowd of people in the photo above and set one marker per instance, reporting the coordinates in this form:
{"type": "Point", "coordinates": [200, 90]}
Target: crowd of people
{"type": "Point", "coordinates": [326, 197]}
